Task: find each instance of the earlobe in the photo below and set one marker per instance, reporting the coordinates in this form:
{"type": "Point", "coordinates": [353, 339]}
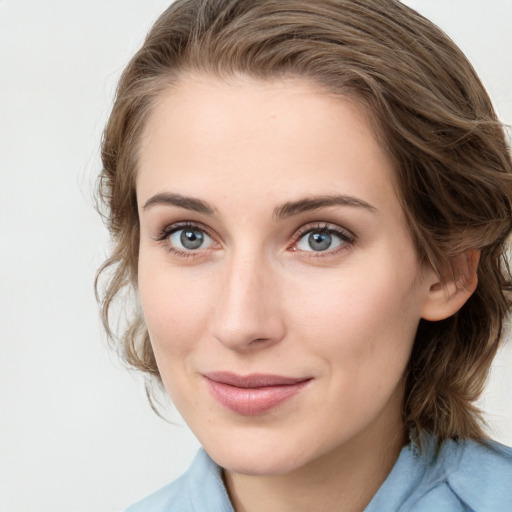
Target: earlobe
{"type": "Point", "coordinates": [446, 296]}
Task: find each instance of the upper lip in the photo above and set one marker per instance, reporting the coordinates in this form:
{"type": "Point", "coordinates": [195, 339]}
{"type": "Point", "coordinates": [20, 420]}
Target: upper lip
{"type": "Point", "coordinates": [255, 380]}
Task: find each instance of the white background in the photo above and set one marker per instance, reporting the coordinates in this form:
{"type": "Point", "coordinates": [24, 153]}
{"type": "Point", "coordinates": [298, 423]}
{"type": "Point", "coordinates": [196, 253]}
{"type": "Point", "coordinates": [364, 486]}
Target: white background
{"type": "Point", "coordinates": [76, 433]}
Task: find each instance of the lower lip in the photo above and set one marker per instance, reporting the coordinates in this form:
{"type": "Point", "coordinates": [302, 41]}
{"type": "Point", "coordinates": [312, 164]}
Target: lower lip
{"type": "Point", "coordinates": [253, 401]}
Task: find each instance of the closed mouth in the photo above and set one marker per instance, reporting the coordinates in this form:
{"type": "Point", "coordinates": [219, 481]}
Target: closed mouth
{"type": "Point", "coordinates": [253, 394]}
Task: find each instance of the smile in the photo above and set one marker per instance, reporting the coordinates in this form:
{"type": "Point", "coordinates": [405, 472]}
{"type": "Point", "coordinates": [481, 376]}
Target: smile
{"type": "Point", "coordinates": [253, 394]}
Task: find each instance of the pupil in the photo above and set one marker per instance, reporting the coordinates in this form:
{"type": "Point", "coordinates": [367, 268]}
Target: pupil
{"type": "Point", "coordinates": [319, 241]}
{"type": "Point", "coordinates": [191, 239]}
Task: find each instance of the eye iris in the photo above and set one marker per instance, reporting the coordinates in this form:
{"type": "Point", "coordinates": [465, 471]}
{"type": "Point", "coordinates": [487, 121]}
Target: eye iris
{"type": "Point", "coordinates": [191, 238]}
{"type": "Point", "coordinates": [319, 241]}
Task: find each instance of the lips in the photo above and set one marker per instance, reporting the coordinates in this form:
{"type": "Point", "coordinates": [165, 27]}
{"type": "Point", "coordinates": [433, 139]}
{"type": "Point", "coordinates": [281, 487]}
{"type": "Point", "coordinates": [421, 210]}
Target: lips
{"type": "Point", "coordinates": [255, 394]}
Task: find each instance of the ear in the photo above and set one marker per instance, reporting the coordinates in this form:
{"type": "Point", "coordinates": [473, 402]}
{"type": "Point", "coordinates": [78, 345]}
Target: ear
{"type": "Point", "coordinates": [446, 296]}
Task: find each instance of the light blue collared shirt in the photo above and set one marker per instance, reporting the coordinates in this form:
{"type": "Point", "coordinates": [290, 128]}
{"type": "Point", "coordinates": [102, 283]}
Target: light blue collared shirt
{"type": "Point", "coordinates": [460, 477]}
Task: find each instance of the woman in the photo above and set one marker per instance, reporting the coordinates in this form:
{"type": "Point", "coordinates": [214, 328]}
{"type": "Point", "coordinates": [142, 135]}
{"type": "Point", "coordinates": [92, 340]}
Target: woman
{"type": "Point", "coordinates": [311, 201]}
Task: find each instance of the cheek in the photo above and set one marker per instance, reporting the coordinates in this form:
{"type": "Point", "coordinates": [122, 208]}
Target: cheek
{"type": "Point", "coordinates": [175, 306]}
{"type": "Point", "coordinates": [366, 318]}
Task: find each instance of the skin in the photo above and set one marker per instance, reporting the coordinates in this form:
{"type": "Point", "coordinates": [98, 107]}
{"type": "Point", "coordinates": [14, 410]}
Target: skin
{"type": "Point", "coordinates": [256, 298]}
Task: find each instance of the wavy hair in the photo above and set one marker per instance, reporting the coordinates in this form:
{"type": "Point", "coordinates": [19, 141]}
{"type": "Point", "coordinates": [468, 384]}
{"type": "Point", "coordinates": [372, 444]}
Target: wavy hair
{"type": "Point", "coordinates": [430, 112]}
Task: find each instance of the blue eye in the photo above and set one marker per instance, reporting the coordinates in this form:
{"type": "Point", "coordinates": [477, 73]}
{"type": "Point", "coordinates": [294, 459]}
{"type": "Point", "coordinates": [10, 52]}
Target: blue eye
{"type": "Point", "coordinates": [320, 240]}
{"type": "Point", "coordinates": [190, 238]}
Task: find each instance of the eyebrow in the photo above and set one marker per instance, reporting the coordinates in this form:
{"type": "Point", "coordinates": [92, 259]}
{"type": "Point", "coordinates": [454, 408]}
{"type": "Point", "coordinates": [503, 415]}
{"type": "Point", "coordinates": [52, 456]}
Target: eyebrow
{"type": "Point", "coordinates": [287, 209]}
{"type": "Point", "coordinates": [316, 202]}
{"type": "Point", "coordinates": [189, 203]}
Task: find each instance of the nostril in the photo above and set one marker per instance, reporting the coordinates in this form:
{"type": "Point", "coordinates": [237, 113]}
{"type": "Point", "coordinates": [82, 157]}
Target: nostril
{"type": "Point", "coordinates": [246, 316]}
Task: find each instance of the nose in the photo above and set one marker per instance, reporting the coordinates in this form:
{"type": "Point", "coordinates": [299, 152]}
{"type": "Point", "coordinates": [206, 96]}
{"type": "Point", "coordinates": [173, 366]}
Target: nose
{"type": "Point", "coordinates": [248, 314]}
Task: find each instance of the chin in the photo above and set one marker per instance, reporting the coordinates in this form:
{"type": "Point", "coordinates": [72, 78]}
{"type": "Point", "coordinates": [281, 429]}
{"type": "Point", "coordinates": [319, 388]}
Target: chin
{"type": "Point", "coordinates": [260, 464]}
{"type": "Point", "coordinates": [261, 457]}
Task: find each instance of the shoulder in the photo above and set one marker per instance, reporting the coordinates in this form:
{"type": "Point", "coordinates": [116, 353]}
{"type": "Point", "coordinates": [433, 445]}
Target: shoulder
{"type": "Point", "coordinates": [199, 489]}
{"type": "Point", "coordinates": [461, 476]}
{"type": "Point", "coordinates": [469, 476]}
{"type": "Point", "coordinates": [483, 476]}
{"type": "Point", "coordinates": [169, 498]}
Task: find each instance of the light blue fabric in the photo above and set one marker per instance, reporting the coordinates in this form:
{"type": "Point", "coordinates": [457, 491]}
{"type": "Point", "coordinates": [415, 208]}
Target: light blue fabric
{"type": "Point", "coordinates": [460, 477]}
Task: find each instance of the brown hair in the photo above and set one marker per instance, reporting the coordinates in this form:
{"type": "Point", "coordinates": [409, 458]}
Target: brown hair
{"type": "Point", "coordinates": [432, 114]}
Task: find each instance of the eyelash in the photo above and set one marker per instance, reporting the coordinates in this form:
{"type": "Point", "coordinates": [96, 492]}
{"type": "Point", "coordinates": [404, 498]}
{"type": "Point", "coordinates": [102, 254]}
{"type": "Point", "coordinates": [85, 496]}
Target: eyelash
{"type": "Point", "coordinates": [166, 232]}
{"type": "Point", "coordinates": [347, 239]}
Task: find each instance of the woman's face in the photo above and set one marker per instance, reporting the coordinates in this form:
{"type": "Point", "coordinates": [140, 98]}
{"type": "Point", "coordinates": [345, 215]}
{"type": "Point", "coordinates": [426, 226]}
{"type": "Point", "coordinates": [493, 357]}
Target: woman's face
{"type": "Point", "coordinates": [278, 279]}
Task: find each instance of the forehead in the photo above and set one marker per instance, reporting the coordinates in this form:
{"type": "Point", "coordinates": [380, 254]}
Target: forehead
{"type": "Point", "coordinates": [274, 138]}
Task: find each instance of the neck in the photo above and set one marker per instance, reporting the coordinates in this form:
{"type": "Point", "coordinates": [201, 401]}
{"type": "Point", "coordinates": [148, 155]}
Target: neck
{"type": "Point", "coordinates": [344, 479]}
